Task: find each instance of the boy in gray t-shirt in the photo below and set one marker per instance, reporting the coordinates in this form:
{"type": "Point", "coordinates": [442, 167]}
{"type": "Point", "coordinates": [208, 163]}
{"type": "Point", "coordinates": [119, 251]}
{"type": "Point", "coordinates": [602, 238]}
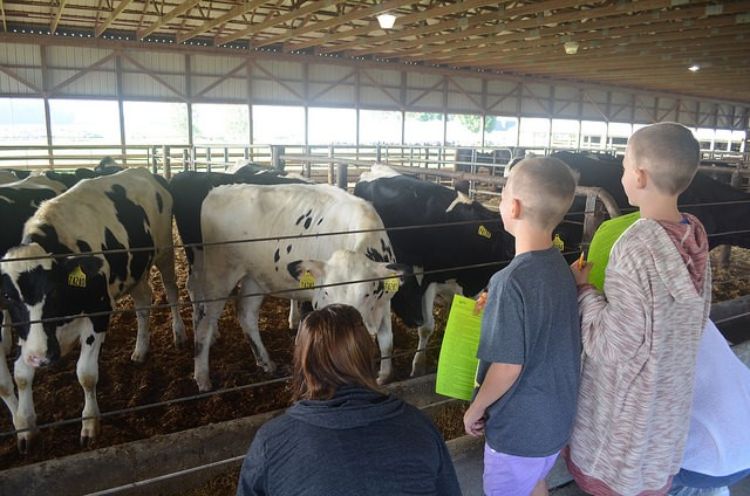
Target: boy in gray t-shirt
{"type": "Point", "coordinates": [529, 351]}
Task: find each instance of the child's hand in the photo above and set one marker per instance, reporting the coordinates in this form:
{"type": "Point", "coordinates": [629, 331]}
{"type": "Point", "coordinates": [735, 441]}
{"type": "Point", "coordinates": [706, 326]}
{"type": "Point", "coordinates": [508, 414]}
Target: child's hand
{"type": "Point", "coordinates": [581, 272]}
{"type": "Point", "coordinates": [481, 303]}
{"type": "Point", "coordinates": [474, 421]}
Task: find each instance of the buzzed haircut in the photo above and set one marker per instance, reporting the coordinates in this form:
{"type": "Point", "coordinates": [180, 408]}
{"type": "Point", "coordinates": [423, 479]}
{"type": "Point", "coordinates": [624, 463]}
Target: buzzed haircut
{"type": "Point", "coordinates": [546, 187]}
{"type": "Point", "coordinates": [669, 152]}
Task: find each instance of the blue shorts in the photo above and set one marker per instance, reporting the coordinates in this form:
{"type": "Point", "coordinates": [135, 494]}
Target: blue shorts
{"type": "Point", "coordinates": [509, 475]}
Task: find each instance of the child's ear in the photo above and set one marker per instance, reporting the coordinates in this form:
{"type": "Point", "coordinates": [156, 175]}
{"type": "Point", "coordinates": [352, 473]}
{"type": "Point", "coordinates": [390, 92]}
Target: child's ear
{"type": "Point", "coordinates": [641, 178]}
{"type": "Point", "coordinates": [515, 208]}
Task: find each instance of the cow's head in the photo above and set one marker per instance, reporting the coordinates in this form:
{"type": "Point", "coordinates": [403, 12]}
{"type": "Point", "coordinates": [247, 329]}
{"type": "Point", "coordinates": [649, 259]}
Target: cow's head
{"type": "Point", "coordinates": [370, 298]}
{"type": "Point", "coordinates": [45, 295]}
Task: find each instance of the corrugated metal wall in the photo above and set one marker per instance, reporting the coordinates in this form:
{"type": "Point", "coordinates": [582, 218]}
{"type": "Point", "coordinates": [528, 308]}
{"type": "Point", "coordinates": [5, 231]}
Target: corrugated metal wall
{"type": "Point", "coordinates": [79, 72]}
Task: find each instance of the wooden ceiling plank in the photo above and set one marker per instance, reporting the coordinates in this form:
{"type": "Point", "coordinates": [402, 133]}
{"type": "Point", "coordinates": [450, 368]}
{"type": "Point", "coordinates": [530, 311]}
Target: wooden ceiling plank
{"type": "Point", "coordinates": [2, 14]}
{"type": "Point", "coordinates": [454, 48]}
{"type": "Point", "coordinates": [373, 25]}
{"type": "Point", "coordinates": [106, 24]}
{"type": "Point", "coordinates": [168, 17]}
{"type": "Point", "coordinates": [237, 11]}
{"type": "Point", "coordinates": [56, 19]}
{"type": "Point", "coordinates": [273, 21]}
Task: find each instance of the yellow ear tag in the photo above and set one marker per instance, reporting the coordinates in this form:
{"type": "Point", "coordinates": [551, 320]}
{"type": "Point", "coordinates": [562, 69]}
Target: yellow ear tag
{"type": "Point", "coordinates": [558, 243]}
{"type": "Point", "coordinates": [77, 278]}
{"type": "Point", "coordinates": [484, 232]}
{"type": "Point", "coordinates": [391, 285]}
{"type": "Point", "coordinates": [307, 280]}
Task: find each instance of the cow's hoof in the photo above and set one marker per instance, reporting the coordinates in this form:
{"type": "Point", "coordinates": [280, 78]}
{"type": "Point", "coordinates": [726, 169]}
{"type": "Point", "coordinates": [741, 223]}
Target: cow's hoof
{"type": "Point", "coordinates": [268, 368]}
{"type": "Point", "coordinates": [418, 370]}
{"type": "Point", "coordinates": [24, 443]}
{"type": "Point", "coordinates": [204, 384]}
{"type": "Point", "coordinates": [138, 357]}
{"type": "Point", "coordinates": [383, 379]}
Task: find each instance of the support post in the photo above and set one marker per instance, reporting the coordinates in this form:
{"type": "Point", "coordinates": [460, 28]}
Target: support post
{"type": "Point", "coordinates": [167, 162]}
{"type": "Point", "coordinates": [276, 152]}
{"type": "Point", "coordinates": [331, 165]}
{"type": "Point", "coordinates": [343, 178]}
{"type": "Point", "coordinates": [208, 159]}
{"type": "Point", "coordinates": [154, 161]}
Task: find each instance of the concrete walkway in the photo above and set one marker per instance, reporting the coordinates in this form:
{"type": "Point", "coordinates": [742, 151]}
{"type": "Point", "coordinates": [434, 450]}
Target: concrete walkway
{"type": "Point", "coordinates": [467, 453]}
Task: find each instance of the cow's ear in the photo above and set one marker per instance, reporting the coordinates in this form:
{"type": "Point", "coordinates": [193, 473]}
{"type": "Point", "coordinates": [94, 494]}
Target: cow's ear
{"type": "Point", "coordinates": [298, 268]}
{"type": "Point", "coordinates": [80, 271]}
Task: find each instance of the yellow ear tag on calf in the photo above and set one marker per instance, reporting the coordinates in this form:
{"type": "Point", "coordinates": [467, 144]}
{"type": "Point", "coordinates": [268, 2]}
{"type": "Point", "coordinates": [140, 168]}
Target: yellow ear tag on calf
{"type": "Point", "coordinates": [558, 243]}
{"type": "Point", "coordinates": [391, 285]}
{"type": "Point", "coordinates": [484, 232]}
{"type": "Point", "coordinates": [307, 280]}
{"type": "Point", "coordinates": [77, 278]}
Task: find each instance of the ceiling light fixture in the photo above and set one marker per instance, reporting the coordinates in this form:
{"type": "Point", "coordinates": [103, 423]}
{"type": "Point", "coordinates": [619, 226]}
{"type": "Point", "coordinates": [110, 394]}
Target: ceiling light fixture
{"type": "Point", "coordinates": [386, 20]}
{"type": "Point", "coordinates": [571, 47]}
{"type": "Point", "coordinates": [694, 68]}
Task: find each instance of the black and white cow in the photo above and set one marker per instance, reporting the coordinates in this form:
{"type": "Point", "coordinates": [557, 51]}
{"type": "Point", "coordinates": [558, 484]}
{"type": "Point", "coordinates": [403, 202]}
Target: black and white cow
{"type": "Point", "coordinates": [189, 189]}
{"type": "Point", "coordinates": [60, 294]}
{"type": "Point", "coordinates": [18, 202]}
{"type": "Point", "coordinates": [244, 211]}
{"type": "Point", "coordinates": [7, 176]}
{"type": "Point", "coordinates": [402, 200]}
{"type": "Point", "coordinates": [726, 224]}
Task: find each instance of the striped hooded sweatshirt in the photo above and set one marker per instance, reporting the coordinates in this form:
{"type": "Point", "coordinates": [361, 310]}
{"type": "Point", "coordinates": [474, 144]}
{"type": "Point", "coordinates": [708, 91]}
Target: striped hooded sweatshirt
{"type": "Point", "coordinates": [640, 344]}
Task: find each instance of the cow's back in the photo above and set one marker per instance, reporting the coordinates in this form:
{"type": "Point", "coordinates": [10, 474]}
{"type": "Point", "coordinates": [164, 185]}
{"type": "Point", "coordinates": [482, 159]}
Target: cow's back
{"type": "Point", "coordinates": [127, 210]}
{"type": "Point", "coordinates": [248, 212]}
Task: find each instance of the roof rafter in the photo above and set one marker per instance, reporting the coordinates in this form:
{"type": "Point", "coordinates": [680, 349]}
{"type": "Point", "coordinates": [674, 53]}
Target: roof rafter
{"type": "Point", "coordinates": [273, 21]}
{"type": "Point", "coordinates": [166, 18]}
{"type": "Point", "coordinates": [56, 19]}
{"type": "Point", "coordinates": [231, 14]}
{"type": "Point", "coordinates": [105, 25]}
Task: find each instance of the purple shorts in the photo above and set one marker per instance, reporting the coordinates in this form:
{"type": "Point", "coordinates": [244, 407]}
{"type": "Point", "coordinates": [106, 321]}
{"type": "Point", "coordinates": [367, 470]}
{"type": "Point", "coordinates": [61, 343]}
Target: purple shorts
{"type": "Point", "coordinates": [509, 475]}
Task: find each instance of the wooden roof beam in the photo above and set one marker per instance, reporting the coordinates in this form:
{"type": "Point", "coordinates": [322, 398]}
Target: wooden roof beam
{"type": "Point", "coordinates": [228, 16]}
{"type": "Point", "coordinates": [105, 25]}
{"type": "Point", "coordinates": [2, 14]}
{"type": "Point", "coordinates": [56, 19]}
{"type": "Point", "coordinates": [373, 25]}
{"type": "Point", "coordinates": [166, 18]}
{"type": "Point", "coordinates": [273, 21]}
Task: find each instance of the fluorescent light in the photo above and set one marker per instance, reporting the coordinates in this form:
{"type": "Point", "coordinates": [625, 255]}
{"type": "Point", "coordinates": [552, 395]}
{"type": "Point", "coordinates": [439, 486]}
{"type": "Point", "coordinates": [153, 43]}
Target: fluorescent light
{"type": "Point", "coordinates": [386, 20]}
{"type": "Point", "coordinates": [694, 68]}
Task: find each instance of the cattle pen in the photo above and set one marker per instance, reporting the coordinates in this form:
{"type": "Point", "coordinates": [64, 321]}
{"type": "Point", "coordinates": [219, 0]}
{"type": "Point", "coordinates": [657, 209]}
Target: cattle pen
{"type": "Point", "coordinates": [445, 96]}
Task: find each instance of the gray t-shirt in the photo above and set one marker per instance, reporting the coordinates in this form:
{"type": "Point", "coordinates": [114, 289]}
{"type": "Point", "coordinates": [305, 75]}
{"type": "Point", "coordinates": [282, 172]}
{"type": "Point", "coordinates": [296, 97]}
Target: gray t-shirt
{"type": "Point", "coordinates": [531, 319]}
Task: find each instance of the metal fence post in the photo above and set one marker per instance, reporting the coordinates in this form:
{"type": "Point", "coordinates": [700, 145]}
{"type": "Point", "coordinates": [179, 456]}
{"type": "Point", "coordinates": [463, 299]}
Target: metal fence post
{"type": "Point", "coordinates": [167, 162]}
{"type": "Point", "coordinates": [226, 158]}
{"type": "Point", "coordinates": [594, 216]}
{"type": "Point", "coordinates": [378, 153]}
{"type": "Point", "coordinates": [343, 178]}
{"type": "Point", "coordinates": [194, 158]}
{"type": "Point", "coordinates": [185, 159]}
{"type": "Point", "coordinates": [154, 162]}
{"type": "Point", "coordinates": [331, 171]}
{"type": "Point", "coordinates": [276, 152]}
{"type": "Point", "coordinates": [246, 153]}
{"type": "Point", "coordinates": [208, 159]}
{"type": "Point", "coordinates": [308, 165]}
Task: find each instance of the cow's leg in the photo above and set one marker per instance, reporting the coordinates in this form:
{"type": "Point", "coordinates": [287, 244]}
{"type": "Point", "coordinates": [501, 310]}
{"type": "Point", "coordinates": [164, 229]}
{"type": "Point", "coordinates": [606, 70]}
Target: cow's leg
{"type": "Point", "coordinates": [24, 417]}
{"type": "Point", "coordinates": [385, 342]}
{"type": "Point", "coordinates": [7, 391]}
{"type": "Point", "coordinates": [87, 370]}
{"type": "Point", "coordinates": [193, 288]}
{"type": "Point", "coordinates": [419, 365]}
{"type": "Point", "coordinates": [5, 334]}
{"type": "Point", "coordinates": [217, 289]}
{"type": "Point", "coordinates": [247, 312]}
{"type": "Point", "coordinates": [165, 263]}
{"type": "Point", "coordinates": [294, 314]}
{"type": "Point", "coordinates": [141, 294]}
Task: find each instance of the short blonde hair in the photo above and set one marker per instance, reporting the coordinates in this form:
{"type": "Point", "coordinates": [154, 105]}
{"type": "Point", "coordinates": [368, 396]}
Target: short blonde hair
{"type": "Point", "coordinates": [546, 187]}
{"type": "Point", "coordinates": [669, 152]}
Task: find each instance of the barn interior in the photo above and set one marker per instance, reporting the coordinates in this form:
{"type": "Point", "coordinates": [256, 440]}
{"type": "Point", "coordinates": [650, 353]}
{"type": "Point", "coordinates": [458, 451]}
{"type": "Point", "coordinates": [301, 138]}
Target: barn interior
{"type": "Point", "coordinates": [326, 88]}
